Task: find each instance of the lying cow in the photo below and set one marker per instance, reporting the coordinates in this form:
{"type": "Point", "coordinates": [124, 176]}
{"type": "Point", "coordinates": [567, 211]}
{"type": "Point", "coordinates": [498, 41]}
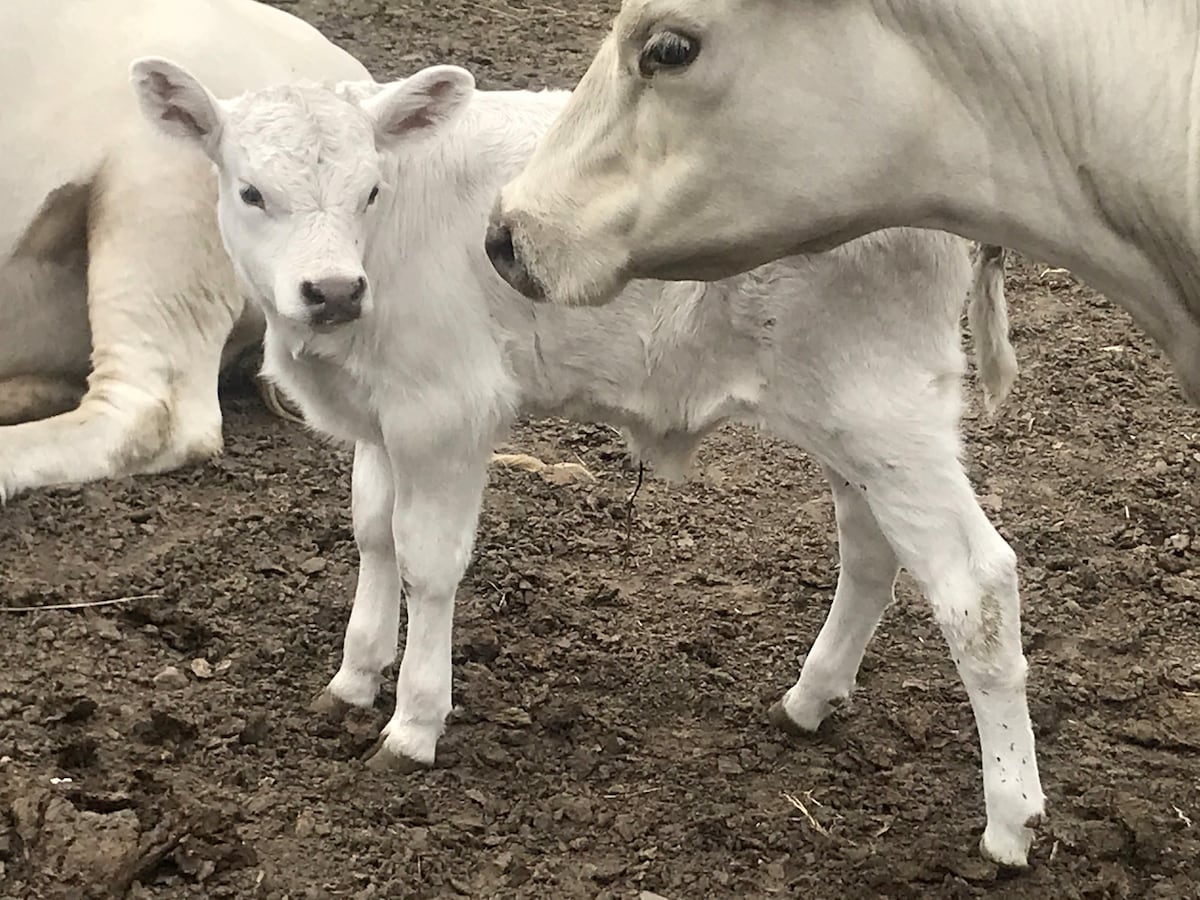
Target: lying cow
{"type": "Point", "coordinates": [708, 138]}
{"type": "Point", "coordinates": [355, 215]}
{"type": "Point", "coordinates": [118, 304]}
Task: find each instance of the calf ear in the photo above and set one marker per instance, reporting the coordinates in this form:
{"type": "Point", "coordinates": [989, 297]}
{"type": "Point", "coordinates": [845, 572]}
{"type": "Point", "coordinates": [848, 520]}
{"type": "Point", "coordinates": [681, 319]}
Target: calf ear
{"type": "Point", "coordinates": [174, 102]}
{"type": "Point", "coordinates": [421, 104]}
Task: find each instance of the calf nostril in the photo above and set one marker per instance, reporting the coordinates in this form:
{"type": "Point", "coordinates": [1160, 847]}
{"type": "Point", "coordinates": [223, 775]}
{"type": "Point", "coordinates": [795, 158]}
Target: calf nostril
{"type": "Point", "coordinates": [499, 245]}
{"type": "Point", "coordinates": [360, 288]}
{"type": "Point", "coordinates": [311, 293]}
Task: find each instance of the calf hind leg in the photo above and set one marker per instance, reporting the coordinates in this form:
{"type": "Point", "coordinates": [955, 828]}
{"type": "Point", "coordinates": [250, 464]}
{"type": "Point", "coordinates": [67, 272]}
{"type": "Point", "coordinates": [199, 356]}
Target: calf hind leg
{"type": "Point", "coordinates": [967, 570]}
{"type": "Point", "coordinates": [864, 590]}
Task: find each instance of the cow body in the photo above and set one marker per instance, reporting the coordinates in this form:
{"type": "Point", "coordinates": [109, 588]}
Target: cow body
{"type": "Point", "coordinates": [117, 299]}
{"type": "Point", "coordinates": [710, 136]}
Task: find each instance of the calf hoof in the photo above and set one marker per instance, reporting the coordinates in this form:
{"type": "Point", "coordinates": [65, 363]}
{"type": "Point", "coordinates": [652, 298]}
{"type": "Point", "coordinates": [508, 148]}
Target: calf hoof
{"type": "Point", "coordinates": [781, 719]}
{"type": "Point", "coordinates": [326, 704]}
{"type": "Point", "coordinates": [1011, 849]}
{"type": "Point", "coordinates": [778, 717]}
{"type": "Point", "coordinates": [380, 759]}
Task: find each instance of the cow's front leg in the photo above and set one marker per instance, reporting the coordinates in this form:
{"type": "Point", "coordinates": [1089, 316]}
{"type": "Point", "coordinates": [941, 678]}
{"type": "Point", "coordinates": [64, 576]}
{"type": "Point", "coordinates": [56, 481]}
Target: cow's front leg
{"type": "Point", "coordinates": [433, 525]}
{"type": "Point", "coordinates": [371, 635]}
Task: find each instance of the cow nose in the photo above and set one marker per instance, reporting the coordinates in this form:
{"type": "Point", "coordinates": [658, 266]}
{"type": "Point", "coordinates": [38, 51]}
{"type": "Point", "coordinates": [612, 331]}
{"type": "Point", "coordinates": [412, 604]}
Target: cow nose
{"type": "Point", "coordinates": [336, 299]}
{"type": "Point", "coordinates": [498, 242]}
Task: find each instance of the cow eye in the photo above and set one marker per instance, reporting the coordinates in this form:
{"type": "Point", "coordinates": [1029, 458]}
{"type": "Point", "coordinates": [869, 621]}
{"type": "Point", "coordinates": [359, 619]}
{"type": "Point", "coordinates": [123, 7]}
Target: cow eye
{"type": "Point", "coordinates": [251, 196]}
{"type": "Point", "coordinates": [374, 193]}
{"type": "Point", "coordinates": [667, 50]}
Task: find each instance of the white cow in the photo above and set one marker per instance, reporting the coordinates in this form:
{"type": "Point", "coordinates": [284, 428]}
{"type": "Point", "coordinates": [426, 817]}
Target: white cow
{"type": "Point", "coordinates": [709, 136]}
{"type": "Point", "coordinates": [356, 216]}
{"type": "Point", "coordinates": [110, 258]}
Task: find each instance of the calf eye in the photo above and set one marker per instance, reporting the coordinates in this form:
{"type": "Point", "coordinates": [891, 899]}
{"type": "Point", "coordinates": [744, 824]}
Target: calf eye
{"type": "Point", "coordinates": [667, 50]}
{"type": "Point", "coordinates": [251, 196]}
{"type": "Point", "coordinates": [374, 193]}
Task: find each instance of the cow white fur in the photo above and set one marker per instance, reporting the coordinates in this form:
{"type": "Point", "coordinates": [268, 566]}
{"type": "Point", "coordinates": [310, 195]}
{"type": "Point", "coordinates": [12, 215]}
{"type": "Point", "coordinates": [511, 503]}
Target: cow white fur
{"type": "Point", "coordinates": [112, 272]}
{"type": "Point", "coordinates": [356, 214]}
{"type": "Point", "coordinates": [710, 136]}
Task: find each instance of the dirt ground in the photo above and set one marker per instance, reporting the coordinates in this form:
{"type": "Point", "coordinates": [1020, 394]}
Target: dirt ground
{"type": "Point", "coordinates": [613, 674]}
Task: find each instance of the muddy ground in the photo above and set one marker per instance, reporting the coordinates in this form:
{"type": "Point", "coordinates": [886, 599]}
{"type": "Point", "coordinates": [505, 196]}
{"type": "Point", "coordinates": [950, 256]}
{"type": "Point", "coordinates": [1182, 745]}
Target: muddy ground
{"type": "Point", "coordinates": [613, 683]}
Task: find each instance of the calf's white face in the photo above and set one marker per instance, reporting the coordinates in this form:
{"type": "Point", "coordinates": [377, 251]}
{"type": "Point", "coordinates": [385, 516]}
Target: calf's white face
{"type": "Point", "coordinates": [302, 169]}
{"type": "Point", "coordinates": [708, 137]}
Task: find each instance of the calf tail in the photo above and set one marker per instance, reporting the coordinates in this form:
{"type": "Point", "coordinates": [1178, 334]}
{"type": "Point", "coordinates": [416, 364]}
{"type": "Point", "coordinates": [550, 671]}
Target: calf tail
{"type": "Point", "coordinates": [987, 313]}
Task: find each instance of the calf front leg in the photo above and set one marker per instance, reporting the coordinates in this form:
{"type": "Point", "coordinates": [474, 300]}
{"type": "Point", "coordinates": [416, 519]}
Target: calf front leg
{"type": "Point", "coordinates": [864, 591]}
{"type": "Point", "coordinates": [433, 527]}
{"type": "Point", "coordinates": [372, 632]}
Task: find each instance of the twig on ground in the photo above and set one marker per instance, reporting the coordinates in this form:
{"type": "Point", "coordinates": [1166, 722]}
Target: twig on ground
{"type": "Point", "coordinates": [795, 801]}
{"type": "Point", "coordinates": [629, 513]}
{"type": "Point", "coordinates": [82, 604]}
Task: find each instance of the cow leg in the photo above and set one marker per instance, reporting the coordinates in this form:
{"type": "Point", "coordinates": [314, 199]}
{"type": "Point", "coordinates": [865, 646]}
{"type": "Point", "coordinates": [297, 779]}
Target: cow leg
{"type": "Point", "coordinates": [864, 590]}
{"type": "Point", "coordinates": [371, 635]}
{"type": "Point", "coordinates": [161, 302]}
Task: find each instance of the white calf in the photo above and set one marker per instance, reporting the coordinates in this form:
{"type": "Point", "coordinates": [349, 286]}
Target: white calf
{"type": "Point", "coordinates": [111, 266]}
{"type": "Point", "coordinates": [355, 215]}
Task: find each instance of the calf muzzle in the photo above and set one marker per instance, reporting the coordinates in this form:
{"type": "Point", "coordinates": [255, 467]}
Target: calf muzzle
{"type": "Point", "coordinates": [332, 301]}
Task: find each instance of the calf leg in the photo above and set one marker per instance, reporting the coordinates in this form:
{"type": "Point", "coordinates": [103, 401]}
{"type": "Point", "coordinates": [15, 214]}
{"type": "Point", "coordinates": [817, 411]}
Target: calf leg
{"type": "Point", "coordinates": [929, 513]}
{"type": "Point", "coordinates": [369, 645]}
{"type": "Point", "coordinates": [161, 302]}
{"type": "Point", "coordinates": [433, 526]}
{"type": "Point", "coordinates": [864, 590]}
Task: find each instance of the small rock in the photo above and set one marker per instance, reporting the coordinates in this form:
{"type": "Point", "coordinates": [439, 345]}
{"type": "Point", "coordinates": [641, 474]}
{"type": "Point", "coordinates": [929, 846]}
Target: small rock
{"type": "Point", "coordinates": [105, 628]}
{"type": "Point", "coordinates": [313, 566]}
{"type": "Point", "coordinates": [201, 668]}
{"type": "Point", "coordinates": [513, 717]}
{"type": "Point", "coordinates": [89, 846]}
{"type": "Point", "coordinates": [727, 765]}
{"type": "Point", "coordinates": [170, 679]}
{"type": "Point", "coordinates": [305, 824]}
{"type": "Point", "coordinates": [650, 895]}
{"type": "Point", "coordinates": [45, 634]}
{"type": "Point", "coordinates": [256, 729]}
{"type": "Point", "coordinates": [81, 710]}
{"type": "Point", "coordinates": [1181, 588]}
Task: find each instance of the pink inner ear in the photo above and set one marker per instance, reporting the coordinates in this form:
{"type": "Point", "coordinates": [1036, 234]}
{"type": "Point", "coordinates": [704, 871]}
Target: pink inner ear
{"type": "Point", "coordinates": [175, 114]}
{"type": "Point", "coordinates": [419, 119]}
{"type": "Point", "coordinates": [440, 89]}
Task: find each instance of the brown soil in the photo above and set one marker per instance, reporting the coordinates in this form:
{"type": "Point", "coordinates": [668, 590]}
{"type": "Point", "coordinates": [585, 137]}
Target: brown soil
{"type": "Point", "coordinates": [613, 737]}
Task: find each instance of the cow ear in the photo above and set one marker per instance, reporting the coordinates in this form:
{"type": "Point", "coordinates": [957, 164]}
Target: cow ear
{"type": "Point", "coordinates": [175, 103]}
{"type": "Point", "coordinates": [419, 105]}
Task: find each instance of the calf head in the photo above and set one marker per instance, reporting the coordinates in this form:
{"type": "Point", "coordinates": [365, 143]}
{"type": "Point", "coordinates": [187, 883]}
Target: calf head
{"type": "Point", "coordinates": [301, 169]}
